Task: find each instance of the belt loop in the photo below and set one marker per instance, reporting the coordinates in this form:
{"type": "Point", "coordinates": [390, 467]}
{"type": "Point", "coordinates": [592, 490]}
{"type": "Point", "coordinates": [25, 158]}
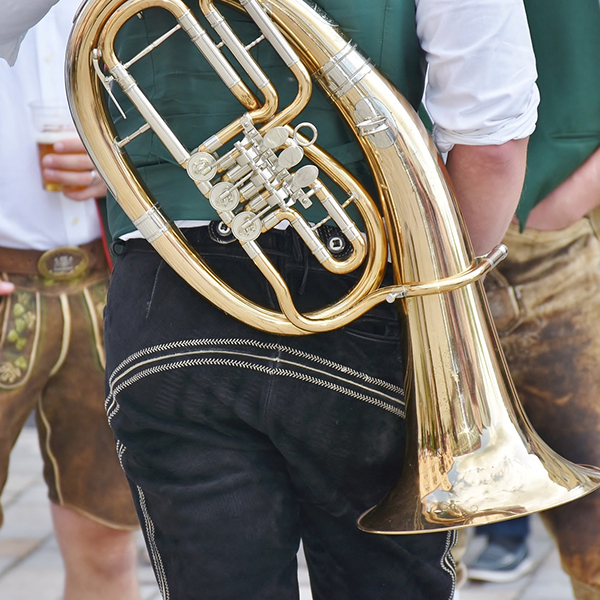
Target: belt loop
{"type": "Point", "coordinates": [118, 248]}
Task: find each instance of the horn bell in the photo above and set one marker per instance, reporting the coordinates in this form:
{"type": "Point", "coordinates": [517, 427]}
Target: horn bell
{"type": "Point", "coordinates": [472, 456]}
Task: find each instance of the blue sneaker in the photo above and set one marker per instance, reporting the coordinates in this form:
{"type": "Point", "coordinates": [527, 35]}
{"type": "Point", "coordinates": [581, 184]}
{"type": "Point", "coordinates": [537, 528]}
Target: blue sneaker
{"type": "Point", "coordinates": [503, 560]}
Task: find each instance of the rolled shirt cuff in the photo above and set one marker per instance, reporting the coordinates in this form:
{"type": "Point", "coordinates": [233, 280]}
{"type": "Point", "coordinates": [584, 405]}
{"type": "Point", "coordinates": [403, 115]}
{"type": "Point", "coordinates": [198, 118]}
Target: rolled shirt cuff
{"type": "Point", "coordinates": [496, 133]}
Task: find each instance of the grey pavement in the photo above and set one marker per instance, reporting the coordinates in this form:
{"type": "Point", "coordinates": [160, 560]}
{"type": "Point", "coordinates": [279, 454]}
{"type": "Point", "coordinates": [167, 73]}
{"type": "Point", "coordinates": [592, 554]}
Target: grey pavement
{"type": "Point", "coordinates": [31, 568]}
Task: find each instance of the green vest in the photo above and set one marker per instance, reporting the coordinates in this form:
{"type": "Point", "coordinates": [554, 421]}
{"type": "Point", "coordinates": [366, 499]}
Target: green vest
{"type": "Point", "coordinates": [566, 40]}
{"type": "Point", "coordinates": [196, 104]}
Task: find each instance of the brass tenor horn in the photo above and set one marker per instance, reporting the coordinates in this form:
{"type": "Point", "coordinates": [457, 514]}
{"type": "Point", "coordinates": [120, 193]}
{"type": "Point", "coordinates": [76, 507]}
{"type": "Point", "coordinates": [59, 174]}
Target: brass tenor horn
{"type": "Point", "coordinates": [472, 457]}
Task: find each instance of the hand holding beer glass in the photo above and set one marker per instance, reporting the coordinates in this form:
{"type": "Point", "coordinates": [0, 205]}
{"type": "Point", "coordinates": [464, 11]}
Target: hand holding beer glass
{"type": "Point", "coordinates": [64, 163]}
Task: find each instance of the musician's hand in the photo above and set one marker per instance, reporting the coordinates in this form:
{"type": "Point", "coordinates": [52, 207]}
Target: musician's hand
{"type": "Point", "coordinates": [571, 200]}
{"type": "Point", "coordinates": [552, 214]}
{"type": "Point", "coordinates": [71, 166]}
{"type": "Point", "coordinates": [6, 288]}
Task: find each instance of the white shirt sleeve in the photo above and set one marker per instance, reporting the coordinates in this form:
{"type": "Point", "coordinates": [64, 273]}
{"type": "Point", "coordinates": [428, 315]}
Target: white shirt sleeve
{"type": "Point", "coordinates": [18, 16]}
{"type": "Point", "coordinates": [481, 71]}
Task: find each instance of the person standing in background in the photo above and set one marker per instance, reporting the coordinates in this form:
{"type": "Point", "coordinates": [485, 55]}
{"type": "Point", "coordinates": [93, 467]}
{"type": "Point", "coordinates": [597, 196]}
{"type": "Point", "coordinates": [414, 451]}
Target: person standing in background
{"type": "Point", "coordinates": [239, 443]}
{"type": "Point", "coordinates": [54, 276]}
{"type": "Point", "coordinates": [545, 297]}
{"type": "Point", "coordinates": [505, 555]}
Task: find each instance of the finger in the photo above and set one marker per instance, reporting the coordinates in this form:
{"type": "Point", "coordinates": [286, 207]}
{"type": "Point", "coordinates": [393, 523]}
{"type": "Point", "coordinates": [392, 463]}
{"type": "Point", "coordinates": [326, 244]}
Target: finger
{"type": "Point", "coordinates": [68, 162]}
{"type": "Point", "coordinates": [78, 185]}
{"type": "Point", "coordinates": [6, 287]}
{"type": "Point", "coordinates": [92, 191]}
{"type": "Point", "coordinates": [69, 146]}
{"type": "Point", "coordinates": [80, 179]}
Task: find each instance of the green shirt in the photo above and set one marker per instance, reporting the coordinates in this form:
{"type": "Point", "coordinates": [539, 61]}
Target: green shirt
{"type": "Point", "coordinates": [566, 41]}
{"type": "Point", "coordinates": [196, 104]}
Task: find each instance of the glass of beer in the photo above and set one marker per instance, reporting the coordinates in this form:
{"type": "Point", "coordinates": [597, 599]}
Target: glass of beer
{"type": "Point", "coordinates": [52, 123]}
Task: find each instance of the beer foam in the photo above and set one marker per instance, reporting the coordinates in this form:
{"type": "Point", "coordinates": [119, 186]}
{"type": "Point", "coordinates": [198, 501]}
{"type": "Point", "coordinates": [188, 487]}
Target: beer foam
{"type": "Point", "coordinates": [51, 137]}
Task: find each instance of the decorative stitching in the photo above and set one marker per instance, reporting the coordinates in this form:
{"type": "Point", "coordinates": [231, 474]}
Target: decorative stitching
{"type": "Point", "coordinates": [447, 563]}
{"type": "Point", "coordinates": [48, 446]}
{"type": "Point", "coordinates": [257, 357]}
{"type": "Point", "coordinates": [154, 284]}
{"type": "Point", "coordinates": [5, 303]}
{"type": "Point", "coordinates": [265, 346]}
{"type": "Point", "coordinates": [159, 570]}
{"type": "Point", "coordinates": [120, 452]}
{"type": "Point", "coordinates": [93, 313]}
{"type": "Point", "coordinates": [112, 405]}
{"type": "Point", "coordinates": [66, 336]}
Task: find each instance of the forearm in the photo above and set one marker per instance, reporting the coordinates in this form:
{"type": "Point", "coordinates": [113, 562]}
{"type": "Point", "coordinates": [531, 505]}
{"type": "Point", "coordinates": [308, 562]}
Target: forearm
{"type": "Point", "coordinates": [488, 181]}
{"type": "Point", "coordinates": [571, 200]}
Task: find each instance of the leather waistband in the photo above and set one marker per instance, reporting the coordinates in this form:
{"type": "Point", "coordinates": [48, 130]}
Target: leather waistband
{"type": "Point", "coordinates": [61, 264]}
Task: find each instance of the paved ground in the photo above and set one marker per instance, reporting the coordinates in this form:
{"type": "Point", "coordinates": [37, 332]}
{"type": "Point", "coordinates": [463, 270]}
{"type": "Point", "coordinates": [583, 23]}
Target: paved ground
{"type": "Point", "coordinates": [30, 565]}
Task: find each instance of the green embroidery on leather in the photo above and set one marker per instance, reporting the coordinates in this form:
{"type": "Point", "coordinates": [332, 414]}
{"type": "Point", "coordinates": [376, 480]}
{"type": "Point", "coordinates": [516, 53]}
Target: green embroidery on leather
{"type": "Point", "coordinates": [9, 373]}
{"type": "Point", "coordinates": [20, 326]}
{"type": "Point", "coordinates": [24, 320]}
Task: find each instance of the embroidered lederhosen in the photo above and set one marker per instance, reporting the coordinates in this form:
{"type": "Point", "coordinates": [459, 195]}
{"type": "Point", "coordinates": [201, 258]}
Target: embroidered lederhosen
{"type": "Point", "coordinates": [52, 362]}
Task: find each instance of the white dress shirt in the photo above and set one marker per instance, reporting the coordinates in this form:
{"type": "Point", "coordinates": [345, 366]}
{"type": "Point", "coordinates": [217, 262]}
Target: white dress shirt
{"type": "Point", "coordinates": [481, 77]}
{"type": "Point", "coordinates": [31, 217]}
{"type": "Point", "coordinates": [481, 71]}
